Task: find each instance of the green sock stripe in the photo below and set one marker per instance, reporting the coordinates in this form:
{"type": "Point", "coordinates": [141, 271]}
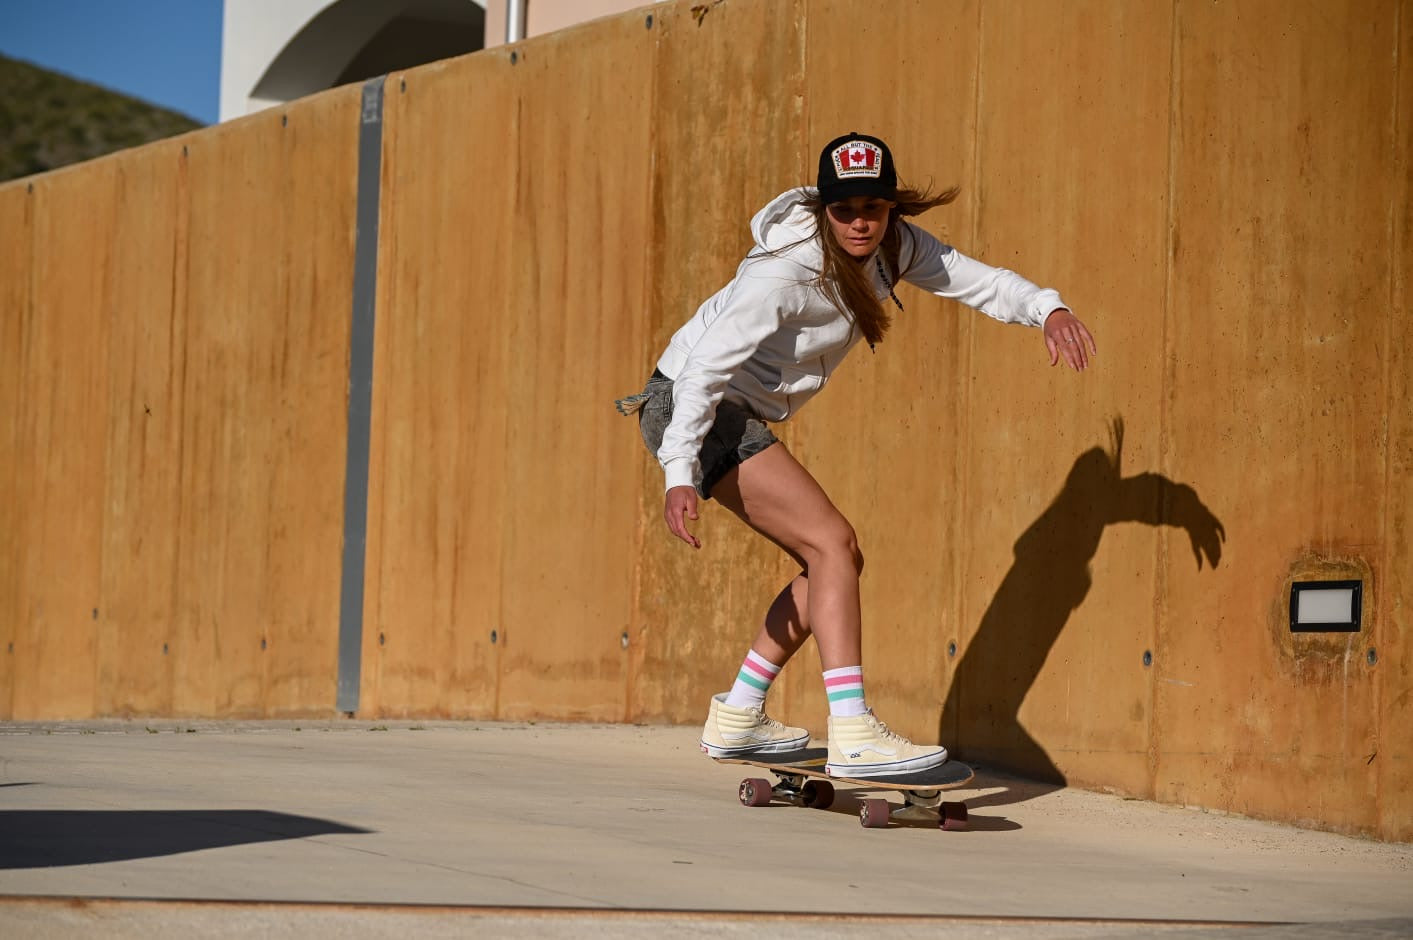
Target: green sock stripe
{"type": "Point", "coordinates": [845, 693]}
{"type": "Point", "coordinates": [753, 681]}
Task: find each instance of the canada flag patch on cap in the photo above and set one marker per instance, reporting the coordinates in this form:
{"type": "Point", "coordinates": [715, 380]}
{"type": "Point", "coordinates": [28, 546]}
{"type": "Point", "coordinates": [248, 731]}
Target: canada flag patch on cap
{"type": "Point", "coordinates": [856, 159]}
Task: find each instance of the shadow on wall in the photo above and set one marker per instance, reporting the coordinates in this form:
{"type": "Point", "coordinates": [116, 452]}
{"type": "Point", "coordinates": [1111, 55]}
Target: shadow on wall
{"type": "Point", "coordinates": [1050, 578]}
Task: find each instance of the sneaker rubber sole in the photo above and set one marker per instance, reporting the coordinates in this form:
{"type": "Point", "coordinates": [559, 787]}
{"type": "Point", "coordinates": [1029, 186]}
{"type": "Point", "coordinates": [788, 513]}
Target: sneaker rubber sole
{"type": "Point", "coordinates": [748, 750]}
{"type": "Point", "coordinates": [890, 769]}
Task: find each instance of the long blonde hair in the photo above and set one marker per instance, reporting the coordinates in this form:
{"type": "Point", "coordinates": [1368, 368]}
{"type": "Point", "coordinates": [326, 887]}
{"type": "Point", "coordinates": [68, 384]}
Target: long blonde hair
{"type": "Point", "coordinates": [849, 284]}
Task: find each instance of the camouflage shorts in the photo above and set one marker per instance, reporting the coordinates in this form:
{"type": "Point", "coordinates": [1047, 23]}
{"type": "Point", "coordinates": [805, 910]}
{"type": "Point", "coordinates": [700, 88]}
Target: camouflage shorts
{"type": "Point", "coordinates": [735, 436]}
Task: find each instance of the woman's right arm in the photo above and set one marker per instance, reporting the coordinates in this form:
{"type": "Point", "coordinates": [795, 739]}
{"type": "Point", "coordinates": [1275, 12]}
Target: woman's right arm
{"type": "Point", "coordinates": [733, 324]}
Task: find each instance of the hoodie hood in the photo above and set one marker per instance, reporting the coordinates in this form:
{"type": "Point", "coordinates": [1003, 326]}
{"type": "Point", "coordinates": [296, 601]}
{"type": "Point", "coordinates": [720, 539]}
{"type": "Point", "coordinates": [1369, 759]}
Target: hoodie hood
{"type": "Point", "coordinates": [785, 222]}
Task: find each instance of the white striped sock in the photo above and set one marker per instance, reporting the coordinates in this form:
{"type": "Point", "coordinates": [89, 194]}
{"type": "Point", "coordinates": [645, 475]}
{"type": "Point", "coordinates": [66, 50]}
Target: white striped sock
{"type": "Point", "coordinates": [752, 682]}
{"type": "Point", "coordinates": [845, 690]}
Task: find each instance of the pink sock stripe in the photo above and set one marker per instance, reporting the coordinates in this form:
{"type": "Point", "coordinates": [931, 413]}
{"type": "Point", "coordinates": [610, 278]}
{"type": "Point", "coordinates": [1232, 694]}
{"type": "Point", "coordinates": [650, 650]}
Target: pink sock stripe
{"type": "Point", "coordinates": [760, 667]}
{"type": "Point", "coordinates": [838, 682]}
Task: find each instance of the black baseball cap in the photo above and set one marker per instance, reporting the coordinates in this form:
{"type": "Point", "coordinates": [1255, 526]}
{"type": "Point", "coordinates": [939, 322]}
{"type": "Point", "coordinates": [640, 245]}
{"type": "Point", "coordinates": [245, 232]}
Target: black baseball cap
{"type": "Point", "coordinates": [856, 165]}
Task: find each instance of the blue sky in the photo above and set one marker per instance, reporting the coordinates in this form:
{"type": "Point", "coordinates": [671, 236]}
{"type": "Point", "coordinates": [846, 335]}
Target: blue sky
{"type": "Point", "coordinates": [167, 52]}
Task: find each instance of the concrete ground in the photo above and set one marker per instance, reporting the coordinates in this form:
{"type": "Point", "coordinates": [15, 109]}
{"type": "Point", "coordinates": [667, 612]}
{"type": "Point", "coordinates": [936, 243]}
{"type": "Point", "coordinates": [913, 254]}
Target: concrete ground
{"type": "Point", "coordinates": [355, 829]}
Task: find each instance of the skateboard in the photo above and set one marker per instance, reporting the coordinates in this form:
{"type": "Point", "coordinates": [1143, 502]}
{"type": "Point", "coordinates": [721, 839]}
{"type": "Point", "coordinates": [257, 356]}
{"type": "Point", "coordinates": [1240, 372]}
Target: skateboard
{"type": "Point", "coordinates": [801, 780]}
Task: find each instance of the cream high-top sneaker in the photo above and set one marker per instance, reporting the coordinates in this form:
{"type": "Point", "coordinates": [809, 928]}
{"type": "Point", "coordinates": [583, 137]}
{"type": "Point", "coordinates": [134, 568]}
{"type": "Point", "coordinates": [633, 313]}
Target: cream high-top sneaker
{"type": "Point", "coordinates": [742, 732]}
{"type": "Point", "coordinates": [862, 746]}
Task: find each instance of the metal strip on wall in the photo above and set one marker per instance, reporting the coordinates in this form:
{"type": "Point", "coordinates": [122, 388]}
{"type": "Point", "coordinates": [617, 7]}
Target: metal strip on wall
{"type": "Point", "coordinates": [360, 396]}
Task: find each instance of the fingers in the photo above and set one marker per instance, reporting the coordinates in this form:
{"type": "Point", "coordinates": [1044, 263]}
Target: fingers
{"type": "Point", "coordinates": [1206, 533]}
{"type": "Point", "coordinates": [681, 501]}
{"type": "Point", "coordinates": [1067, 338]}
{"type": "Point", "coordinates": [1215, 537]}
{"type": "Point", "coordinates": [1072, 346]}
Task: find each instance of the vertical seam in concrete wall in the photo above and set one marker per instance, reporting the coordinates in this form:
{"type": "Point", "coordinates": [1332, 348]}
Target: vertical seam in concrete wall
{"type": "Point", "coordinates": [29, 413]}
{"type": "Point", "coordinates": [179, 353]}
{"type": "Point", "coordinates": [635, 595]}
{"type": "Point", "coordinates": [1160, 579]}
{"type": "Point", "coordinates": [507, 338]}
{"type": "Point", "coordinates": [1383, 602]}
{"type": "Point", "coordinates": [103, 391]}
{"type": "Point", "coordinates": [20, 629]}
{"type": "Point", "coordinates": [805, 169]}
{"type": "Point", "coordinates": [179, 345]}
{"type": "Point", "coordinates": [961, 567]}
{"type": "Point", "coordinates": [360, 395]}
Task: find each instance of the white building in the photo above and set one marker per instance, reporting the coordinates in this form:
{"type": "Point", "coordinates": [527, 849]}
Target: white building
{"type": "Point", "coordinates": [274, 51]}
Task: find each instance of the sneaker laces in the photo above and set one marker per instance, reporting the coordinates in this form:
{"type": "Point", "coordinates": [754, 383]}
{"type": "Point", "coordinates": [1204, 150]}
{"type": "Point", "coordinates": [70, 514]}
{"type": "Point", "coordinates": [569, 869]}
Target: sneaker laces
{"type": "Point", "coordinates": [766, 720]}
{"type": "Point", "coordinates": [885, 732]}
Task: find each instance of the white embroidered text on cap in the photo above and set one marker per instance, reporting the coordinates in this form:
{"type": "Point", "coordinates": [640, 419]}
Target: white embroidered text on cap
{"type": "Point", "coordinates": [858, 158]}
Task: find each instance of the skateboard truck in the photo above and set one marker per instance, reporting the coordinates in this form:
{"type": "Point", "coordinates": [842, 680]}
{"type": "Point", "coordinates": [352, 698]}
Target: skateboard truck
{"type": "Point", "coordinates": [924, 805]}
{"type": "Point", "coordinates": [791, 788]}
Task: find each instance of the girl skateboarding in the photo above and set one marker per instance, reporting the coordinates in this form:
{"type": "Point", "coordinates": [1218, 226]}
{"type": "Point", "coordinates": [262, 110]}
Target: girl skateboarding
{"type": "Point", "coordinates": [818, 281]}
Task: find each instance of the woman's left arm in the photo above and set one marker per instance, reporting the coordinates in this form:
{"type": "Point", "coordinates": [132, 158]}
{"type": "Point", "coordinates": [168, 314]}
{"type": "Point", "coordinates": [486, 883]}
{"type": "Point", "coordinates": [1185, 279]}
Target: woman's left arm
{"type": "Point", "coordinates": [1000, 294]}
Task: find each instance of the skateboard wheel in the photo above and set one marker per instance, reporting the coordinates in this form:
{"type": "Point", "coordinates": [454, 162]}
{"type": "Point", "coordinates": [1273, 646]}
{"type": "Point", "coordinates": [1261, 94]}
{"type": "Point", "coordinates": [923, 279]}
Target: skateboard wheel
{"type": "Point", "coordinates": [952, 817]}
{"type": "Point", "coordinates": [818, 794]}
{"type": "Point", "coordinates": [873, 814]}
{"type": "Point", "coordinates": [755, 792]}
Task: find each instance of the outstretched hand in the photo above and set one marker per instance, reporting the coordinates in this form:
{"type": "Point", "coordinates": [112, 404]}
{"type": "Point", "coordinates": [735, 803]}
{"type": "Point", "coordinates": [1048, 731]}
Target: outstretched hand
{"type": "Point", "coordinates": [681, 501]}
{"type": "Point", "coordinates": [1204, 530]}
{"type": "Point", "coordinates": [1066, 337]}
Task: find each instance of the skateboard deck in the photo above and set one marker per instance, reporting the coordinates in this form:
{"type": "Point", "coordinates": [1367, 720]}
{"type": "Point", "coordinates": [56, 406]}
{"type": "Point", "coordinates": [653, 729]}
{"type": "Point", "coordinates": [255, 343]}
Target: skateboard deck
{"type": "Point", "coordinates": [800, 779]}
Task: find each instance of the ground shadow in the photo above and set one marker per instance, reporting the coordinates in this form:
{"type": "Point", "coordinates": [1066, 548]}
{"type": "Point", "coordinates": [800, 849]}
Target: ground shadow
{"type": "Point", "coordinates": [1049, 580]}
{"type": "Point", "coordinates": [53, 838]}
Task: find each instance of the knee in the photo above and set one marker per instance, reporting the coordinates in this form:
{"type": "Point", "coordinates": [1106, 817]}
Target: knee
{"type": "Point", "coordinates": [839, 541]}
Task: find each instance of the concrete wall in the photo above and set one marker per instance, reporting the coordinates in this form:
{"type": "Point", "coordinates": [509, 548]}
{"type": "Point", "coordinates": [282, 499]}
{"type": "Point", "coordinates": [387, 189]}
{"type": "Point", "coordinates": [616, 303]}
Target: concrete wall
{"type": "Point", "coordinates": [1077, 576]}
{"type": "Point", "coordinates": [172, 358]}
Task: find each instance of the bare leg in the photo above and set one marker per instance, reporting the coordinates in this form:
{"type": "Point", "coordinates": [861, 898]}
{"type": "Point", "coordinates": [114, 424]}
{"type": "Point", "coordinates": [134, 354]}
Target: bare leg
{"type": "Point", "coordinates": [778, 498]}
{"type": "Point", "coordinates": [787, 623]}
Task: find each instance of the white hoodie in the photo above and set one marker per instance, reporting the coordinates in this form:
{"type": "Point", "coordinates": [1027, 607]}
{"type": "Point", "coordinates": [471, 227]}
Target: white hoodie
{"type": "Point", "coordinates": [770, 339]}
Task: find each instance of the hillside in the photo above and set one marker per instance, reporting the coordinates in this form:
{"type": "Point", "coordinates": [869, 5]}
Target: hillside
{"type": "Point", "coordinates": [48, 120]}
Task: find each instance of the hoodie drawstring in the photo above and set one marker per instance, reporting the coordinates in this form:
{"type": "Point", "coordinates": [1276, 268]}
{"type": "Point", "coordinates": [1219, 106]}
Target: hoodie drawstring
{"type": "Point", "coordinates": [888, 282]}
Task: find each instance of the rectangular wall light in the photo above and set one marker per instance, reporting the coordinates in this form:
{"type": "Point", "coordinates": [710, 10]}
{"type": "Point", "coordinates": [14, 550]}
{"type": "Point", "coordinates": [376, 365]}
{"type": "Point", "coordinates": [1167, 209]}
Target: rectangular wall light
{"type": "Point", "coordinates": [1326, 606]}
